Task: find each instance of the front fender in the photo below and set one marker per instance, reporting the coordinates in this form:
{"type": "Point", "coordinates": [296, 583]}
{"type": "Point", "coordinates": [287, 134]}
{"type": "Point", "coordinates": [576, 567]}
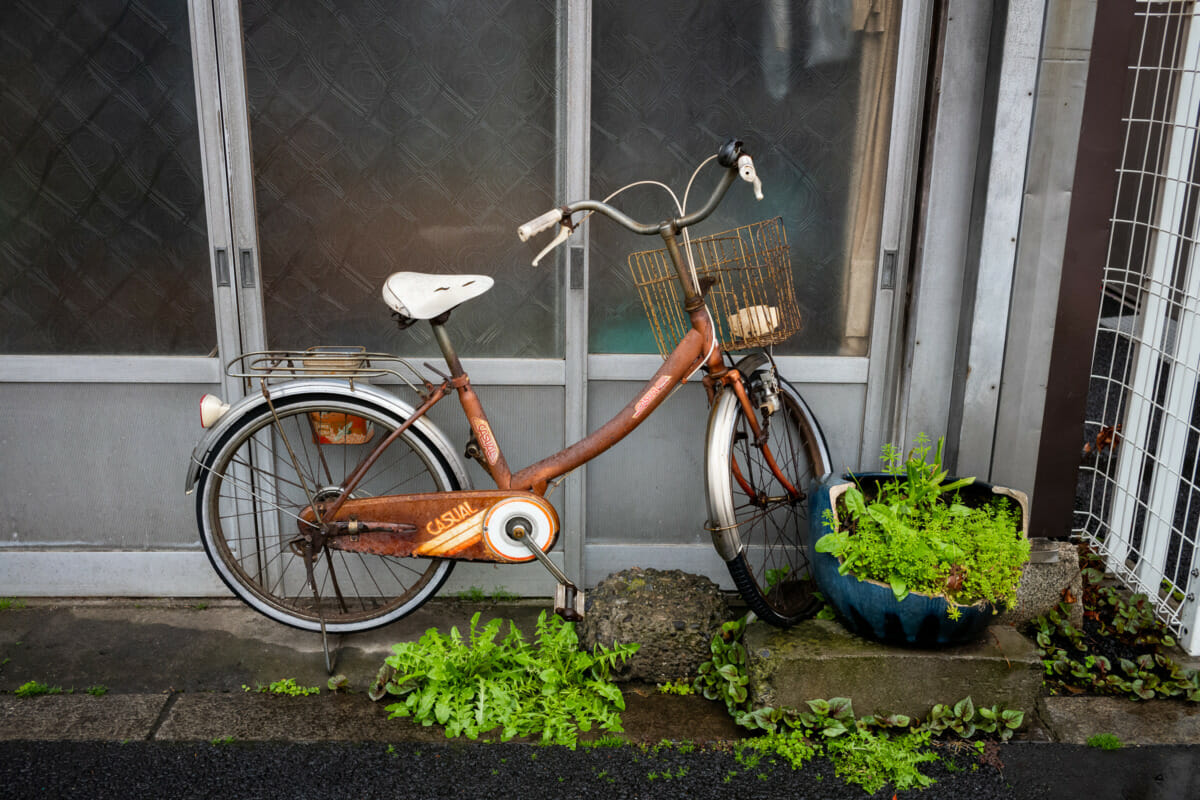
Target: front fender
{"type": "Point", "coordinates": [716, 449]}
{"type": "Point", "coordinates": [386, 401]}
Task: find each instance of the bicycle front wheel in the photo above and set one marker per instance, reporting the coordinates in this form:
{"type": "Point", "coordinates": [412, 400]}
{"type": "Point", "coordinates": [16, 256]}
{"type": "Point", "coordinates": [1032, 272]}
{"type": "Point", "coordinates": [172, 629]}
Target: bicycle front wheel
{"type": "Point", "coordinates": [274, 464]}
{"type": "Point", "coordinates": [758, 522]}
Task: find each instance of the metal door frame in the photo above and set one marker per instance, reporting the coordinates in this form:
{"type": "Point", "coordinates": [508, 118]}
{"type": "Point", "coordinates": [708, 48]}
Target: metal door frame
{"type": "Point", "coordinates": [238, 303]}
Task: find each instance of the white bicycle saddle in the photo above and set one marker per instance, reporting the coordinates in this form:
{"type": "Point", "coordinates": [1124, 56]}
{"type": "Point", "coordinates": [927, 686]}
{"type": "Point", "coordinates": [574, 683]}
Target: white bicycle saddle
{"type": "Point", "coordinates": [420, 295]}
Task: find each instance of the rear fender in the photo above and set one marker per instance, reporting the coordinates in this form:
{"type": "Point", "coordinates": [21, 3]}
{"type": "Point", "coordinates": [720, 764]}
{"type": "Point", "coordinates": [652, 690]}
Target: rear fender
{"type": "Point", "coordinates": [384, 401]}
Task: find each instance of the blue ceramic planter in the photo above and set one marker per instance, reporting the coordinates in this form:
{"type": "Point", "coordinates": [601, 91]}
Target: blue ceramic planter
{"type": "Point", "coordinates": [870, 608]}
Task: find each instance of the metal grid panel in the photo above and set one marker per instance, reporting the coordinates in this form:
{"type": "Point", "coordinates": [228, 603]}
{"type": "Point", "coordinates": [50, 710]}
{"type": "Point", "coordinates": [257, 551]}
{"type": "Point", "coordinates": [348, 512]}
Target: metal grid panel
{"type": "Point", "coordinates": [1139, 497]}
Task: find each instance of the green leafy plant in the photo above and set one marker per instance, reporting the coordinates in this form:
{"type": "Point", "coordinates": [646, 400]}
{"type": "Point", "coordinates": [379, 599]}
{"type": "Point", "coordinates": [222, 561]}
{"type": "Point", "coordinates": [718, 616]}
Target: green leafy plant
{"type": "Point", "coordinates": [285, 686]}
{"type": "Point", "coordinates": [682, 687]}
{"type": "Point", "coordinates": [865, 751]}
{"type": "Point", "coordinates": [1105, 741]}
{"type": "Point", "coordinates": [34, 688]}
{"type": "Point", "coordinates": [1122, 649]}
{"type": "Point", "coordinates": [966, 720]}
{"type": "Point", "coordinates": [484, 683]}
{"type": "Point", "coordinates": [10, 602]}
{"type": "Point", "coordinates": [97, 691]}
{"type": "Point", "coordinates": [605, 741]}
{"type": "Point", "coordinates": [724, 676]}
{"type": "Point", "coordinates": [913, 532]}
{"type": "Point", "coordinates": [793, 747]}
{"type": "Point", "coordinates": [476, 594]}
{"type": "Point", "coordinates": [871, 760]}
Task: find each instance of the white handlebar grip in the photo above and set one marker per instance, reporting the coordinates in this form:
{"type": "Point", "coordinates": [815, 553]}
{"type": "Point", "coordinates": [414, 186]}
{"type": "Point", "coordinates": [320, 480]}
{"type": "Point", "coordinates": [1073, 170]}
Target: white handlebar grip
{"type": "Point", "coordinates": [539, 224]}
{"type": "Point", "coordinates": [746, 170]}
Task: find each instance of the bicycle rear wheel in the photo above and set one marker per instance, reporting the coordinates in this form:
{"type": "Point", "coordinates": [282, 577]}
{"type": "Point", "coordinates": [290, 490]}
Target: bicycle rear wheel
{"type": "Point", "coordinates": [758, 524]}
{"type": "Point", "coordinates": [271, 466]}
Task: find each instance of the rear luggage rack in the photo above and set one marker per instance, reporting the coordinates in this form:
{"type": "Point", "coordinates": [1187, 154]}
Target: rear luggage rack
{"type": "Point", "coordinates": [348, 363]}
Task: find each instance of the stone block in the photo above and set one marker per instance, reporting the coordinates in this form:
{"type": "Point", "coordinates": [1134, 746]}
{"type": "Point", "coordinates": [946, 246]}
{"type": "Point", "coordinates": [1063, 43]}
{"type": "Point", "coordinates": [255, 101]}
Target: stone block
{"type": "Point", "coordinates": [819, 659]}
{"type": "Point", "coordinates": [1045, 583]}
{"type": "Point", "coordinates": [673, 616]}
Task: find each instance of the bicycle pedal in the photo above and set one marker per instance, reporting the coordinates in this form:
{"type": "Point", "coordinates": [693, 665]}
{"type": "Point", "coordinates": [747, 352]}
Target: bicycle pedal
{"type": "Point", "coordinates": [569, 602]}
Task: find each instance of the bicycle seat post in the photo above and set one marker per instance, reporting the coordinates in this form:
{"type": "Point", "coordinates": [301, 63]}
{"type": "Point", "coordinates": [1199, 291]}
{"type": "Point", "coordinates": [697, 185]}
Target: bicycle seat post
{"type": "Point", "coordinates": [445, 345]}
{"type": "Point", "coordinates": [482, 438]}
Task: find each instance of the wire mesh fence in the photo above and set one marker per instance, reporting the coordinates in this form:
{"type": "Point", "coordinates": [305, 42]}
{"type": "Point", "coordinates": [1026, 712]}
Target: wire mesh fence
{"type": "Point", "coordinates": [1138, 500]}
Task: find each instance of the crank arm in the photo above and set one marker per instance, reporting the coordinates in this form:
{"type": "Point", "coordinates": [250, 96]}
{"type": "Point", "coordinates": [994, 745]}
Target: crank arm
{"type": "Point", "coordinates": [568, 599]}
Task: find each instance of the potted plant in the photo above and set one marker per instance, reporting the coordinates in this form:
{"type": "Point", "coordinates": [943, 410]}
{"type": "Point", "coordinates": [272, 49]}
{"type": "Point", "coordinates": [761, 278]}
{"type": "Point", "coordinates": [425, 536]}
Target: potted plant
{"type": "Point", "coordinates": [911, 556]}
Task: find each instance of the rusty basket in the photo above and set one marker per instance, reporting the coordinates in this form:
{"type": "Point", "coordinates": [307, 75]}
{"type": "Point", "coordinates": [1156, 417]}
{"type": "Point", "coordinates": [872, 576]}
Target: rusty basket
{"type": "Point", "coordinates": [752, 299]}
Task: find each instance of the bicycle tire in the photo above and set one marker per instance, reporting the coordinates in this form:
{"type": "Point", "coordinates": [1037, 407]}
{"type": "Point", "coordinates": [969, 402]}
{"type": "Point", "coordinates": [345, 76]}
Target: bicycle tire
{"type": "Point", "coordinates": [250, 496]}
{"type": "Point", "coordinates": [760, 527]}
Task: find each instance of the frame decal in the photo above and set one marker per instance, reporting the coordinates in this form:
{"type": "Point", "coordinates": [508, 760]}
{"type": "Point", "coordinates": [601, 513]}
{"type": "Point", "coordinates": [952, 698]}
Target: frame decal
{"type": "Point", "coordinates": [487, 442]}
{"type": "Point", "coordinates": [654, 391]}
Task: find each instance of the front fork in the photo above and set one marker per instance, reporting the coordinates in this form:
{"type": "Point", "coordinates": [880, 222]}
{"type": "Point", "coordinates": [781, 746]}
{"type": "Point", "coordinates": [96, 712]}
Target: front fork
{"type": "Point", "coordinates": [767, 401]}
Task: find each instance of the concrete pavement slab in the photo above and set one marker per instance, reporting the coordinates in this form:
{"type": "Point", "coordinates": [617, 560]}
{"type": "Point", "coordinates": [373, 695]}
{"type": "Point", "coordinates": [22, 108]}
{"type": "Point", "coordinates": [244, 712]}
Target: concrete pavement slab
{"type": "Point", "coordinates": [254, 717]}
{"type": "Point", "coordinates": [80, 717]}
{"type": "Point", "coordinates": [1074, 720]}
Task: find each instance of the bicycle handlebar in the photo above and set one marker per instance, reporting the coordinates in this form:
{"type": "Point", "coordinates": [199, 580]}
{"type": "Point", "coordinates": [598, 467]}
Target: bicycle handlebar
{"type": "Point", "coordinates": [736, 162]}
{"type": "Point", "coordinates": [539, 224]}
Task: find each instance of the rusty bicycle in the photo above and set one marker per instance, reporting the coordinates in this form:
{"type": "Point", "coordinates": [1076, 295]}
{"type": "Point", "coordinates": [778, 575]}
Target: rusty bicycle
{"type": "Point", "coordinates": [327, 502]}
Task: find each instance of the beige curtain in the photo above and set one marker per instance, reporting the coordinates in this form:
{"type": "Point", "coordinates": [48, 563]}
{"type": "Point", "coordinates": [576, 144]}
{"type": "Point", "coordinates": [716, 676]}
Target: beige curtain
{"type": "Point", "coordinates": [879, 22]}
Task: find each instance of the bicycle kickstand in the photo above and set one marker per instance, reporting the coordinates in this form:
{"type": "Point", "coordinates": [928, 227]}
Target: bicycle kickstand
{"type": "Point", "coordinates": [568, 598]}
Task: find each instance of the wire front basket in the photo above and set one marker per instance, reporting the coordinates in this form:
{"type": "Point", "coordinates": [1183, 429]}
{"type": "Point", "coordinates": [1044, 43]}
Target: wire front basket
{"type": "Point", "coordinates": [752, 300]}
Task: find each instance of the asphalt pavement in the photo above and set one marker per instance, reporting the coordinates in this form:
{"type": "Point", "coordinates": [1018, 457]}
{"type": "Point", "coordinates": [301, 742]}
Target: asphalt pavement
{"type": "Point", "coordinates": [153, 704]}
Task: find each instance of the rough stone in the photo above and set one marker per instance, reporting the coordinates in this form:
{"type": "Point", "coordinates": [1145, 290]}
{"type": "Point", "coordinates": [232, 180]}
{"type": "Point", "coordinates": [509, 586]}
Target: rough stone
{"type": "Point", "coordinates": [819, 659]}
{"type": "Point", "coordinates": [1045, 584]}
{"type": "Point", "coordinates": [673, 616]}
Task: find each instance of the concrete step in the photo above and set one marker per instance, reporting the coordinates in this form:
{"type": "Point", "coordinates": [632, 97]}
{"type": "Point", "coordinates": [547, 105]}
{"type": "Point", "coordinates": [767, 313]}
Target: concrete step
{"type": "Point", "coordinates": [819, 659]}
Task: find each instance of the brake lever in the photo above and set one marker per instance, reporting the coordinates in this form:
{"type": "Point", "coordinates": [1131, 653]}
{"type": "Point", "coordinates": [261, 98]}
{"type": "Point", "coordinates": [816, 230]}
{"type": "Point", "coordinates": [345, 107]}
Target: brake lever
{"type": "Point", "coordinates": [564, 230]}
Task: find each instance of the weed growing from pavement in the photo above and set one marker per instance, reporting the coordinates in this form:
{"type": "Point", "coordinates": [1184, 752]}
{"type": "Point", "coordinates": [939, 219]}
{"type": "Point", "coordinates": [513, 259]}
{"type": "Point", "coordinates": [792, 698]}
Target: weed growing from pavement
{"type": "Point", "coordinates": [681, 686]}
{"type": "Point", "coordinates": [605, 741]}
{"type": "Point", "coordinates": [97, 690]}
{"type": "Point", "coordinates": [481, 683]}
{"type": "Point", "coordinates": [872, 760]}
{"type": "Point", "coordinates": [1105, 741]}
{"type": "Point", "coordinates": [476, 594]}
{"type": "Point", "coordinates": [34, 688]}
{"type": "Point", "coordinates": [7, 603]}
{"type": "Point", "coordinates": [285, 686]}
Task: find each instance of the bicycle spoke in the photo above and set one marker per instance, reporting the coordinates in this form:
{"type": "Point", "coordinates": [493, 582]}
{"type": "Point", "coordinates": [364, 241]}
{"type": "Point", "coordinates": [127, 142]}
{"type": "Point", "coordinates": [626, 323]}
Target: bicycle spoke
{"type": "Point", "coordinates": [764, 512]}
{"type": "Point", "coordinates": [268, 474]}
